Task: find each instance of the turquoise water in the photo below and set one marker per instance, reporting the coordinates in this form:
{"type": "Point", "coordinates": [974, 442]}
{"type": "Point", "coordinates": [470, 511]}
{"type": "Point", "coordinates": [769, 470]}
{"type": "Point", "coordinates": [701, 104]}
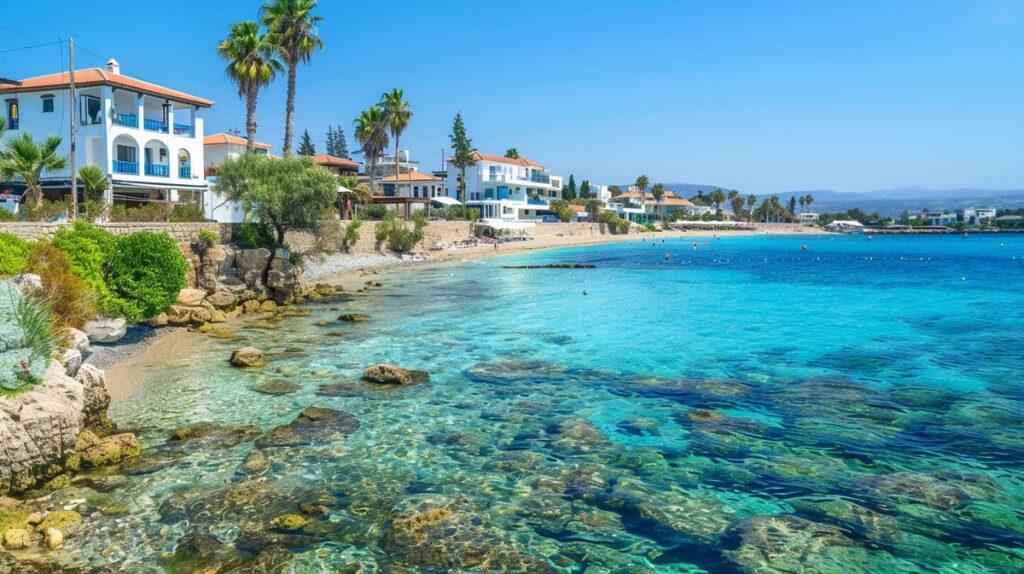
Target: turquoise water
{"type": "Point", "coordinates": [742, 406]}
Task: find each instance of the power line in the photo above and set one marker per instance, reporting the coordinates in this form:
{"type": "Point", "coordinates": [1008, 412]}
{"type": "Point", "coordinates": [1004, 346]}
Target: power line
{"type": "Point", "coordinates": [30, 47]}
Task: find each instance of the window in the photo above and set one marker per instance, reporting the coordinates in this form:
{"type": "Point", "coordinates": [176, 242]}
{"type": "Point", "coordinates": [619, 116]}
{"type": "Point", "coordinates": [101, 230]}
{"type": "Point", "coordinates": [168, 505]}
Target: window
{"type": "Point", "coordinates": [47, 104]}
{"type": "Point", "coordinates": [12, 114]}
{"type": "Point", "coordinates": [92, 112]}
{"type": "Point", "coordinates": [126, 153]}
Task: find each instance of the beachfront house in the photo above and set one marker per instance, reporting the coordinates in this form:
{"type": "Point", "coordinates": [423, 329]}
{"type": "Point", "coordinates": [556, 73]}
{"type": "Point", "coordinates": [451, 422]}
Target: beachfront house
{"type": "Point", "coordinates": [507, 189]}
{"type": "Point", "coordinates": [337, 165]}
{"type": "Point", "coordinates": [628, 206]}
{"type": "Point", "coordinates": [807, 217]}
{"type": "Point", "coordinates": [845, 226]}
{"type": "Point", "coordinates": [945, 218]}
{"type": "Point", "coordinates": [385, 166]}
{"type": "Point", "coordinates": [979, 216]}
{"type": "Point", "coordinates": [217, 148]}
{"type": "Point", "coordinates": [147, 138]}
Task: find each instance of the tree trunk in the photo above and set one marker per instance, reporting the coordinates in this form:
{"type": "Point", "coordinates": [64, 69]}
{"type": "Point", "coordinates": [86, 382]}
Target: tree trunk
{"type": "Point", "coordinates": [289, 120]}
{"type": "Point", "coordinates": [373, 170]}
{"type": "Point", "coordinates": [397, 169]}
{"type": "Point", "coordinates": [250, 119]}
{"type": "Point", "coordinates": [37, 194]}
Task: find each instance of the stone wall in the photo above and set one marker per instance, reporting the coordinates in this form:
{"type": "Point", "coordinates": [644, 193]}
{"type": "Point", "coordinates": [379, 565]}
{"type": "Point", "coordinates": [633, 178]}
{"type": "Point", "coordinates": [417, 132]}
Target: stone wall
{"type": "Point", "coordinates": [181, 232]}
{"type": "Point", "coordinates": [330, 239]}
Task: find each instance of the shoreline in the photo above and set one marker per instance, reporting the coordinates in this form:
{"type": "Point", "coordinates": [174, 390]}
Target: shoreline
{"type": "Point", "coordinates": [125, 362]}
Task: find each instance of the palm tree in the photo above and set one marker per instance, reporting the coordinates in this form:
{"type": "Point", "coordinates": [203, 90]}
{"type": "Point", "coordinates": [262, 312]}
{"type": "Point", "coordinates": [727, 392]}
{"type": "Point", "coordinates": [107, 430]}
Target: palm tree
{"type": "Point", "coordinates": [396, 116]}
{"type": "Point", "coordinates": [641, 187]}
{"type": "Point", "coordinates": [25, 158]}
{"type": "Point", "coordinates": [658, 191]}
{"type": "Point", "coordinates": [372, 133]}
{"type": "Point", "coordinates": [802, 201]}
{"type": "Point", "coordinates": [808, 200]}
{"type": "Point", "coordinates": [252, 64]}
{"type": "Point", "coordinates": [94, 180]}
{"type": "Point", "coordinates": [717, 198]}
{"type": "Point", "coordinates": [3, 126]}
{"type": "Point", "coordinates": [751, 202]}
{"type": "Point", "coordinates": [291, 27]}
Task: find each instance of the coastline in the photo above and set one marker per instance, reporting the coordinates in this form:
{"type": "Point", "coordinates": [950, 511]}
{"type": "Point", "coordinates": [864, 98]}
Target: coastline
{"type": "Point", "coordinates": [125, 363]}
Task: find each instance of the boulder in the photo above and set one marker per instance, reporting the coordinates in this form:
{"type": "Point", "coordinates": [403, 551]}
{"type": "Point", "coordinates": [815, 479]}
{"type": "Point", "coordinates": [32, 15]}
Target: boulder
{"type": "Point", "coordinates": [28, 283]}
{"type": "Point", "coordinates": [289, 522]}
{"type": "Point", "coordinates": [223, 299]}
{"type": "Point", "coordinates": [17, 539]}
{"type": "Point", "coordinates": [190, 297]}
{"type": "Point", "coordinates": [200, 315]}
{"type": "Point", "coordinates": [268, 307]}
{"type": "Point", "coordinates": [106, 329]}
{"type": "Point", "coordinates": [392, 375]}
{"type": "Point", "coordinates": [276, 279]}
{"type": "Point", "coordinates": [255, 463]}
{"type": "Point", "coordinates": [71, 359]}
{"type": "Point", "coordinates": [159, 321]}
{"type": "Point", "coordinates": [252, 260]}
{"type": "Point", "coordinates": [179, 315]}
{"type": "Point", "coordinates": [248, 357]}
{"type": "Point", "coordinates": [251, 306]}
{"type": "Point", "coordinates": [354, 318]}
{"type": "Point", "coordinates": [54, 538]}
{"type": "Point", "coordinates": [218, 316]}
{"type": "Point", "coordinates": [97, 452]}
{"type": "Point", "coordinates": [314, 426]}
{"type": "Point", "coordinates": [75, 339]}
{"type": "Point", "coordinates": [96, 398]}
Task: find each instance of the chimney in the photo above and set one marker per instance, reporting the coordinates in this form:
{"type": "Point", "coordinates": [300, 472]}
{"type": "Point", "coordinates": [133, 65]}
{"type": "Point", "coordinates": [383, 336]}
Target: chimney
{"type": "Point", "coordinates": [113, 67]}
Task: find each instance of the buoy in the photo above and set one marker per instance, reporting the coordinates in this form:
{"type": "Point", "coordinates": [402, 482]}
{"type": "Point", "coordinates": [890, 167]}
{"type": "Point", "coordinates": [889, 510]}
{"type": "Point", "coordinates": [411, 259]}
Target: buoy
{"type": "Point", "coordinates": [667, 257]}
{"type": "Point", "coordinates": [584, 292]}
{"type": "Point", "coordinates": [803, 247]}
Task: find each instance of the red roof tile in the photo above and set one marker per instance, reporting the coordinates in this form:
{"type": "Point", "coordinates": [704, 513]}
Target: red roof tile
{"type": "Point", "coordinates": [99, 77]}
{"type": "Point", "coordinates": [324, 159]}
{"type": "Point", "coordinates": [224, 139]}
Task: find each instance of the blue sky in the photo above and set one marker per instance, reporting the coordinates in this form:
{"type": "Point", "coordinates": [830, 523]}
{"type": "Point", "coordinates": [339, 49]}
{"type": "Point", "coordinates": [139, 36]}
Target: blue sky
{"type": "Point", "coordinates": [759, 96]}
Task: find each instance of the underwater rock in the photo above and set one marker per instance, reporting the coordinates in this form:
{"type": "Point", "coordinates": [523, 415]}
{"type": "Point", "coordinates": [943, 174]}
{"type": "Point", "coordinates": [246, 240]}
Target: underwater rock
{"type": "Point", "coordinates": [694, 389]}
{"type": "Point", "coordinates": [504, 371]}
{"type": "Point", "coordinates": [837, 510]}
{"type": "Point", "coordinates": [353, 318]}
{"type": "Point", "coordinates": [391, 375]}
{"type": "Point", "coordinates": [277, 387]}
{"type": "Point", "coordinates": [699, 415]}
{"type": "Point", "coordinates": [215, 331]}
{"type": "Point", "coordinates": [17, 539]}
{"type": "Point", "coordinates": [342, 389]}
{"type": "Point", "coordinates": [97, 452]}
{"type": "Point", "coordinates": [579, 436]}
{"type": "Point", "coordinates": [59, 519]}
{"type": "Point", "coordinates": [247, 357]}
{"type": "Point", "coordinates": [54, 538]}
{"type": "Point", "coordinates": [289, 522]}
{"type": "Point", "coordinates": [207, 434]}
{"type": "Point", "coordinates": [783, 543]}
{"type": "Point", "coordinates": [313, 426]}
{"type": "Point", "coordinates": [256, 462]}
{"type": "Point", "coordinates": [150, 462]}
{"type": "Point", "coordinates": [914, 488]}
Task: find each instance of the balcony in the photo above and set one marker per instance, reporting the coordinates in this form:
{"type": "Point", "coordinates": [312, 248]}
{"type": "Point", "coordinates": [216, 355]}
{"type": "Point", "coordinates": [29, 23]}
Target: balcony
{"type": "Point", "coordinates": [532, 201]}
{"type": "Point", "coordinates": [185, 172]}
{"type": "Point", "coordinates": [184, 130]}
{"type": "Point", "coordinates": [126, 167]}
{"type": "Point", "coordinates": [155, 125]}
{"type": "Point", "coordinates": [157, 170]}
{"type": "Point", "coordinates": [127, 120]}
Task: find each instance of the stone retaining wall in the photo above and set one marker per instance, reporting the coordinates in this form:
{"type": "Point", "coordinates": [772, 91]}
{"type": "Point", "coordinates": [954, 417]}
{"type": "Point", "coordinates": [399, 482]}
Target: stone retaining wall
{"type": "Point", "coordinates": [181, 232]}
{"type": "Point", "coordinates": [329, 238]}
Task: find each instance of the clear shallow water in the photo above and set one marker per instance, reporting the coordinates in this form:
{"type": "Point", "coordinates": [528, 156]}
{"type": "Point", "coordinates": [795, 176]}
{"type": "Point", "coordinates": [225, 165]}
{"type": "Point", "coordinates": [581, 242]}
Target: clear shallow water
{"type": "Point", "coordinates": [745, 406]}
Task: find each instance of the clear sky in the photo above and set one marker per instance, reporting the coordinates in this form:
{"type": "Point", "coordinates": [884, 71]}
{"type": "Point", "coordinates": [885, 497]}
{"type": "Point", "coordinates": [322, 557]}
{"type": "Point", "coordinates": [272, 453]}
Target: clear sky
{"type": "Point", "coordinates": [767, 96]}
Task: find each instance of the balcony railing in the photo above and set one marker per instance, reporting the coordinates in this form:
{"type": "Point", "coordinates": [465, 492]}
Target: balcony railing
{"type": "Point", "coordinates": [184, 130]}
{"type": "Point", "coordinates": [127, 120]}
{"type": "Point", "coordinates": [155, 126]}
{"type": "Point", "coordinates": [532, 201]}
{"type": "Point", "coordinates": [185, 172]}
{"type": "Point", "coordinates": [157, 170]}
{"type": "Point", "coordinates": [126, 167]}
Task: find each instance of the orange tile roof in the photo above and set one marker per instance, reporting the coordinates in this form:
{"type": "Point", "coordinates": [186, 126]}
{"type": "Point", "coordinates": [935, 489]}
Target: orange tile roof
{"type": "Point", "coordinates": [225, 139]}
{"type": "Point", "coordinates": [502, 159]}
{"type": "Point", "coordinates": [411, 176]}
{"type": "Point", "coordinates": [324, 159]}
{"type": "Point", "coordinates": [100, 77]}
{"type": "Point", "coordinates": [668, 199]}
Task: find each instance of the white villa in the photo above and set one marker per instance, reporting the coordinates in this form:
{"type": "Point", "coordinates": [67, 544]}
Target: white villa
{"type": "Point", "coordinates": [147, 138]}
{"type": "Point", "coordinates": [628, 206]}
{"type": "Point", "coordinates": [507, 189]}
{"type": "Point", "coordinates": [385, 166]}
{"type": "Point", "coordinates": [217, 148]}
{"type": "Point", "coordinates": [807, 217]}
{"type": "Point", "coordinates": [413, 185]}
{"type": "Point", "coordinates": [979, 216]}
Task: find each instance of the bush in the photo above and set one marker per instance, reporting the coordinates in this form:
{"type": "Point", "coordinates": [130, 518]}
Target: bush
{"type": "Point", "coordinates": [375, 211]}
{"type": "Point", "coordinates": [72, 303]}
{"type": "Point", "coordinates": [146, 274]}
{"type": "Point", "coordinates": [26, 339]}
{"type": "Point", "coordinates": [150, 212]}
{"type": "Point", "coordinates": [91, 249]}
{"type": "Point", "coordinates": [253, 235]}
{"type": "Point", "coordinates": [398, 236]}
{"type": "Point", "coordinates": [187, 212]}
{"type": "Point", "coordinates": [351, 234]}
{"type": "Point", "coordinates": [13, 254]}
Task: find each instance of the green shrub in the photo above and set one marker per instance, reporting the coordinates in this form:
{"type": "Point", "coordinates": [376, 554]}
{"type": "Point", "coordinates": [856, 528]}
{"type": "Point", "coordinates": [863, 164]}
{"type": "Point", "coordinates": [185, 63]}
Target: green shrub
{"type": "Point", "coordinates": [72, 302]}
{"type": "Point", "coordinates": [295, 258]}
{"type": "Point", "coordinates": [26, 339]}
{"type": "Point", "coordinates": [13, 254]}
{"type": "Point", "coordinates": [398, 236]}
{"type": "Point", "coordinates": [187, 212]}
{"type": "Point", "coordinates": [251, 235]}
{"type": "Point", "coordinates": [375, 211]}
{"type": "Point", "coordinates": [146, 273]}
{"type": "Point", "coordinates": [351, 234]}
{"type": "Point", "coordinates": [91, 249]}
{"type": "Point", "coordinates": [7, 215]}
{"type": "Point", "coordinates": [150, 212]}
{"type": "Point", "coordinates": [48, 211]}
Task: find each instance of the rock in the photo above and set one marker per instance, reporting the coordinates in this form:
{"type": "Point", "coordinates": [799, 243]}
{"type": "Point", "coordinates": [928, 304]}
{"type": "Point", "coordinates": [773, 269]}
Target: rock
{"type": "Point", "coordinates": [268, 307]}
{"type": "Point", "coordinates": [54, 538]}
{"type": "Point", "coordinates": [252, 260]}
{"type": "Point", "coordinates": [391, 375]}
{"type": "Point", "coordinates": [354, 318]}
{"type": "Point", "coordinates": [17, 539]}
{"type": "Point", "coordinates": [159, 321]}
{"type": "Point", "coordinates": [216, 331]}
{"type": "Point", "coordinates": [784, 544]}
{"type": "Point", "coordinates": [190, 297]}
{"type": "Point", "coordinates": [39, 428]}
{"type": "Point", "coordinates": [28, 283]}
{"type": "Point", "coordinates": [276, 279]}
{"type": "Point", "coordinates": [208, 434]}
{"type": "Point", "coordinates": [200, 315]}
{"type": "Point", "coordinates": [34, 519]}
{"type": "Point", "coordinates": [256, 462]}
{"type": "Point", "coordinates": [97, 452]}
{"type": "Point", "coordinates": [179, 315]}
{"type": "Point", "coordinates": [248, 357]}
{"type": "Point", "coordinates": [97, 399]}
{"type": "Point", "coordinates": [289, 522]}
{"type": "Point", "coordinates": [8, 504]}
{"type": "Point", "coordinates": [60, 520]}
{"type": "Point", "coordinates": [75, 339]}
{"type": "Point", "coordinates": [277, 387]}
{"type": "Point", "coordinates": [251, 306]}
{"type": "Point", "coordinates": [106, 329]}
{"type": "Point", "coordinates": [223, 300]}
{"type": "Point", "coordinates": [313, 426]}
{"type": "Point", "coordinates": [71, 359]}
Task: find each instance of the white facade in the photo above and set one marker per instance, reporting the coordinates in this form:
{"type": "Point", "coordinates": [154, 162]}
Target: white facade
{"type": "Point", "coordinates": [807, 217]}
{"type": "Point", "coordinates": [945, 218]}
{"type": "Point", "coordinates": [507, 189]}
{"type": "Point", "coordinates": [217, 148]}
{"type": "Point", "coordinates": [385, 165]}
{"type": "Point", "coordinates": [978, 216]}
{"type": "Point", "coordinates": [146, 139]}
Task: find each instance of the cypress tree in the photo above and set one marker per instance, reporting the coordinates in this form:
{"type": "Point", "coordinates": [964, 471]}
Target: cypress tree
{"type": "Point", "coordinates": [306, 147]}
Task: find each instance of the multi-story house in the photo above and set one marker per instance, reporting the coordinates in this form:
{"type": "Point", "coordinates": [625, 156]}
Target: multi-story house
{"type": "Point", "coordinates": [979, 216]}
{"type": "Point", "coordinates": [147, 138]}
{"type": "Point", "coordinates": [506, 189]}
{"type": "Point", "coordinates": [628, 206]}
{"type": "Point", "coordinates": [217, 148]}
{"type": "Point", "coordinates": [385, 166]}
{"type": "Point", "coordinates": [337, 165]}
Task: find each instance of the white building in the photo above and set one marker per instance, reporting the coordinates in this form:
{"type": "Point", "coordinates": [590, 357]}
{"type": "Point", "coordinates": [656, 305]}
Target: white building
{"type": "Point", "coordinates": [147, 138]}
{"type": "Point", "coordinates": [807, 217]}
{"type": "Point", "coordinates": [944, 218]}
{"type": "Point", "coordinates": [217, 148]}
{"type": "Point", "coordinates": [385, 165]}
{"type": "Point", "coordinates": [628, 206]}
{"type": "Point", "coordinates": [507, 189]}
{"type": "Point", "coordinates": [414, 185]}
{"type": "Point", "coordinates": [976, 216]}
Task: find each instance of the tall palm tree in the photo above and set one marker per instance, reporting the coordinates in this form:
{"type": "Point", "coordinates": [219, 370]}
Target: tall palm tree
{"type": "Point", "coordinates": [291, 26]}
{"type": "Point", "coordinates": [372, 133]}
{"type": "Point", "coordinates": [808, 200]}
{"type": "Point", "coordinates": [802, 201]}
{"type": "Point", "coordinates": [396, 115]}
{"type": "Point", "coordinates": [751, 202]}
{"type": "Point", "coordinates": [25, 158]}
{"type": "Point", "coordinates": [252, 64]}
{"type": "Point", "coordinates": [3, 126]}
{"type": "Point", "coordinates": [641, 187]}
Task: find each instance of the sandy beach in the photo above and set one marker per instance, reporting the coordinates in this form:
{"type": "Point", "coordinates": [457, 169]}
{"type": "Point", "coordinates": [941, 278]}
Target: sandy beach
{"type": "Point", "coordinates": [127, 368]}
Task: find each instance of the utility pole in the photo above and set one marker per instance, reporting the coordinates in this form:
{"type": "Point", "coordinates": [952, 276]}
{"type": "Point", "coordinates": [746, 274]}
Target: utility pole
{"type": "Point", "coordinates": [71, 91]}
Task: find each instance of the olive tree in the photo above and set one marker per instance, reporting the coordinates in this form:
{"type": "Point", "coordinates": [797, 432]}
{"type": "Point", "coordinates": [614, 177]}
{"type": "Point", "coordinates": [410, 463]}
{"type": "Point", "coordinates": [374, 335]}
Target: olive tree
{"type": "Point", "coordinates": [287, 193]}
